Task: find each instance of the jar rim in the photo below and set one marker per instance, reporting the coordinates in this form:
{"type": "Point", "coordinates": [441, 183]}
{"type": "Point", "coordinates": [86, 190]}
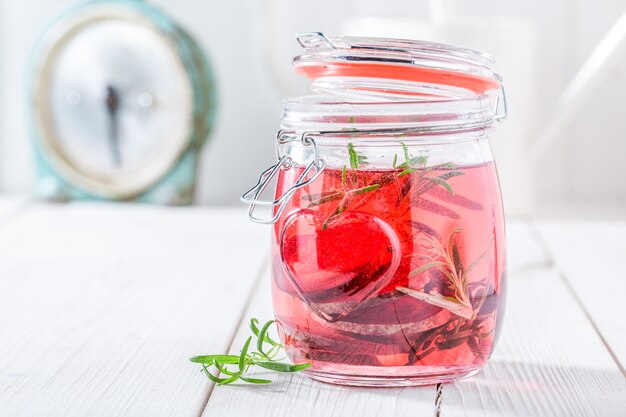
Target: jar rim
{"type": "Point", "coordinates": [323, 113]}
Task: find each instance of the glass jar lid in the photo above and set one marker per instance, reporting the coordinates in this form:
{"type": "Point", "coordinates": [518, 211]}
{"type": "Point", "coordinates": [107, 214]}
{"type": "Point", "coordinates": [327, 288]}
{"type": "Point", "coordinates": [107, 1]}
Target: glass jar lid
{"type": "Point", "coordinates": [375, 83]}
{"type": "Point", "coordinates": [395, 66]}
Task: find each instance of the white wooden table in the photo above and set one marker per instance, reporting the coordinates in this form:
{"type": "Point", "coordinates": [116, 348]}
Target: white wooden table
{"type": "Point", "coordinates": [102, 305]}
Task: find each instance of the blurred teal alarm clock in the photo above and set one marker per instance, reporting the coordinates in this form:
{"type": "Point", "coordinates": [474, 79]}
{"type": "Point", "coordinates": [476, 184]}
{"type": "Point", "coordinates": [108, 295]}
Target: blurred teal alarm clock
{"type": "Point", "coordinates": [122, 100]}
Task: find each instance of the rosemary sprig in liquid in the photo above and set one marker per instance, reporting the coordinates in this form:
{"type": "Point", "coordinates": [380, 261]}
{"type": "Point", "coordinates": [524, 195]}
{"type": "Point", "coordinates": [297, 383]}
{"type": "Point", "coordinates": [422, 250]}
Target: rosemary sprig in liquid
{"type": "Point", "coordinates": [448, 261]}
{"type": "Point", "coordinates": [347, 195]}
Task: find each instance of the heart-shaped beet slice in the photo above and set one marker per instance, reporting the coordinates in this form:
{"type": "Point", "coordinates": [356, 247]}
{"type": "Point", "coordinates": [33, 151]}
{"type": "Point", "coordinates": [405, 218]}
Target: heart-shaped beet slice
{"type": "Point", "coordinates": [336, 265]}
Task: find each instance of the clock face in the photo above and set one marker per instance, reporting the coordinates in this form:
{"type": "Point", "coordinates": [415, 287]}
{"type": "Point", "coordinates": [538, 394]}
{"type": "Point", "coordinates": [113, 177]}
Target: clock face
{"type": "Point", "coordinates": [113, 102]}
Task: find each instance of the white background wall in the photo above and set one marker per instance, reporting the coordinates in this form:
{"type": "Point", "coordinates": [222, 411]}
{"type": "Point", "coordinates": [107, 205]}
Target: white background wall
{"type": "Point", "coordinates": [251, 43]}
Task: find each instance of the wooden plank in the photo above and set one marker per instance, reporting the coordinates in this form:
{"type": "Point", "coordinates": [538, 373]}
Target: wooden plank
{"type": "Point", "coordinates": [524, 249]}
{"type": "Point", "coordinates": [296, 395]}
{"type": "Point", "coordinates": [591, 256]}
{"type": "Point", "coordinates": [11, 206]}
{"type": "Point", "coordinates": [102, 305]}
{"type": "Point", "coordinates": [550, 361]}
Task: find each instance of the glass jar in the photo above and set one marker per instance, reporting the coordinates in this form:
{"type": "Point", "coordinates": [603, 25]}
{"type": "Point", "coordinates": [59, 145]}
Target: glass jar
{"type": "Point", "coordinates": [388, 244]}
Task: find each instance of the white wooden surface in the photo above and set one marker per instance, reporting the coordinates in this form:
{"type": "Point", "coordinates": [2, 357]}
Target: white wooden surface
{"type": "Point", "coordinates": [101, 306]}
{"type": "Point", "coordinates": [549, 362]}
{"type": "Point", "coordinates": [11, 206]}
{"type": "Point", "coordinates": [592, 258]}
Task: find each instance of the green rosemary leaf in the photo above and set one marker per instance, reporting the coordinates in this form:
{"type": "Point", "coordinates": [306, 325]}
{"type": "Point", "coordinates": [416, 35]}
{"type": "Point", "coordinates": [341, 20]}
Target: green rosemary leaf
{"type": "Point", "coordinates": [452, 237]}
{"type": "Point", "coordinates": [284, 367]}
{"type": "Point", "coordinates": [446, 165]}
{"type": "Point", "coordinates": [343, 176]}
{"type": "Point", "coordinates": [456, 258]}
{"type": "Point", "coordinates": [244, 353]}
{"type": "Point", "coordinates": [364, 190]}
{"type": "Point", "coordinates": [300, 367]}
{"type": "Point", "coordinates": [346, 200]}
{"type": "Point", "coordinates": [426, 267]}
{"type": "Point", "coordinates": [418, 161]}
{"type": "Point", "coordinates": [209, 359]}
{"type": "Point", "coordinates": [451, 342]}
{"type": "Point", "coordinates": [395, 160]}
{"type": "Point", "coordinates": [223, 369]}
{"type": "Point", "coordinates": [256, 380]}
{"type": "Point", "coordinates": [272, 342]}
{"type": "Point", "coordinates": [421, 160]}
{"type": "Point", "coordinates": [407, 171]}
{"type": "Point", "coordinates": [322, 198]}
{"type": "Point", "coordinates": [230, 380]}
{"type": "Point", "coordinates": [448, 274]}
{"type": "Point", "coordinates": [442, 182]}
{"type": "Point", "coordinates": [354, 157]}
{"type": "Point", "coordinates": [439, 300]}
{"type": "Point", "coordinates": [450, 174]}
{"type": "Point", "coordinates": [341, 207]}
{"type": "Point", "coordinates": [262, 338]}
{"type": "Point", "coordinates": [407, 158]}
{"type": "Point", "coordinates": [254, 326]}
{"type": "Point", "coordinates": [212, 377]}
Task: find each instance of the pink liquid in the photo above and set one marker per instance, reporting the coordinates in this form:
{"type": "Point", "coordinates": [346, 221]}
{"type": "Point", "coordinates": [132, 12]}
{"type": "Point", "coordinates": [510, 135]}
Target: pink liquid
{"type": "Point", "coordinates": [403, 278]}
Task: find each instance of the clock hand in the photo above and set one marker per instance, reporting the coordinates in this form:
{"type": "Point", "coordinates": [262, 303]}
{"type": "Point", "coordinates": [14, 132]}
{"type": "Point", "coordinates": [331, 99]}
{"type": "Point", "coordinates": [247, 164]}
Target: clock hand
{"type": "Point", "coordinates": [112, 104]}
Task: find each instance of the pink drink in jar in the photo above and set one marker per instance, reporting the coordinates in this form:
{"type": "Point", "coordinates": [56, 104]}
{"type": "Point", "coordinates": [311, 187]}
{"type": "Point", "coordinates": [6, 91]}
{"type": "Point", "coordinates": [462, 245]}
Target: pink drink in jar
{"type": "Point", "coordinates": [388, 240]}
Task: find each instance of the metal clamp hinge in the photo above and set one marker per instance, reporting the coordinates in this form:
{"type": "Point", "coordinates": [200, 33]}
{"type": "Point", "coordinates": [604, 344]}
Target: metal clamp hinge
{"type": "Point", "coordinates": [501, 106]}
{"type": "Point", "coordinates": [253, 196]}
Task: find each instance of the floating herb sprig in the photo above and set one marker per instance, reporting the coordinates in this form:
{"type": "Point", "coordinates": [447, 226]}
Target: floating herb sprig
{"type": "Point", "coordinates": [419, 162]}
{"type": "Point", "coordinates": [351, 188]}
{"type": "Point", "coordinates": [464, 300]}
{"type": "Point", "coordinates": [409, 165]}
{"type": "Point", "coordinates": [448, 261]}
{"type": "Point", "coordinates": [235, 367]}
{"type": "Point", "coordinates": [345, 195]}
{"type": "Point", "coordinates": [356, 159]}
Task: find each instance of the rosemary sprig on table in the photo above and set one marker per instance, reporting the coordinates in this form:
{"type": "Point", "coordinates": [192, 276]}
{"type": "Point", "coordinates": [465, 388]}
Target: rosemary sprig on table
{"type": "Point", "coordinates": [265, 356]}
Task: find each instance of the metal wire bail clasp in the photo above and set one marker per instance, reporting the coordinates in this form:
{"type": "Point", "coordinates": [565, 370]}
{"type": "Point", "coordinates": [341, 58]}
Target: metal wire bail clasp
{"type": "Point", "coordinates": [253, 196]}
{"type": "Point", "coordinates": [501, 105]}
